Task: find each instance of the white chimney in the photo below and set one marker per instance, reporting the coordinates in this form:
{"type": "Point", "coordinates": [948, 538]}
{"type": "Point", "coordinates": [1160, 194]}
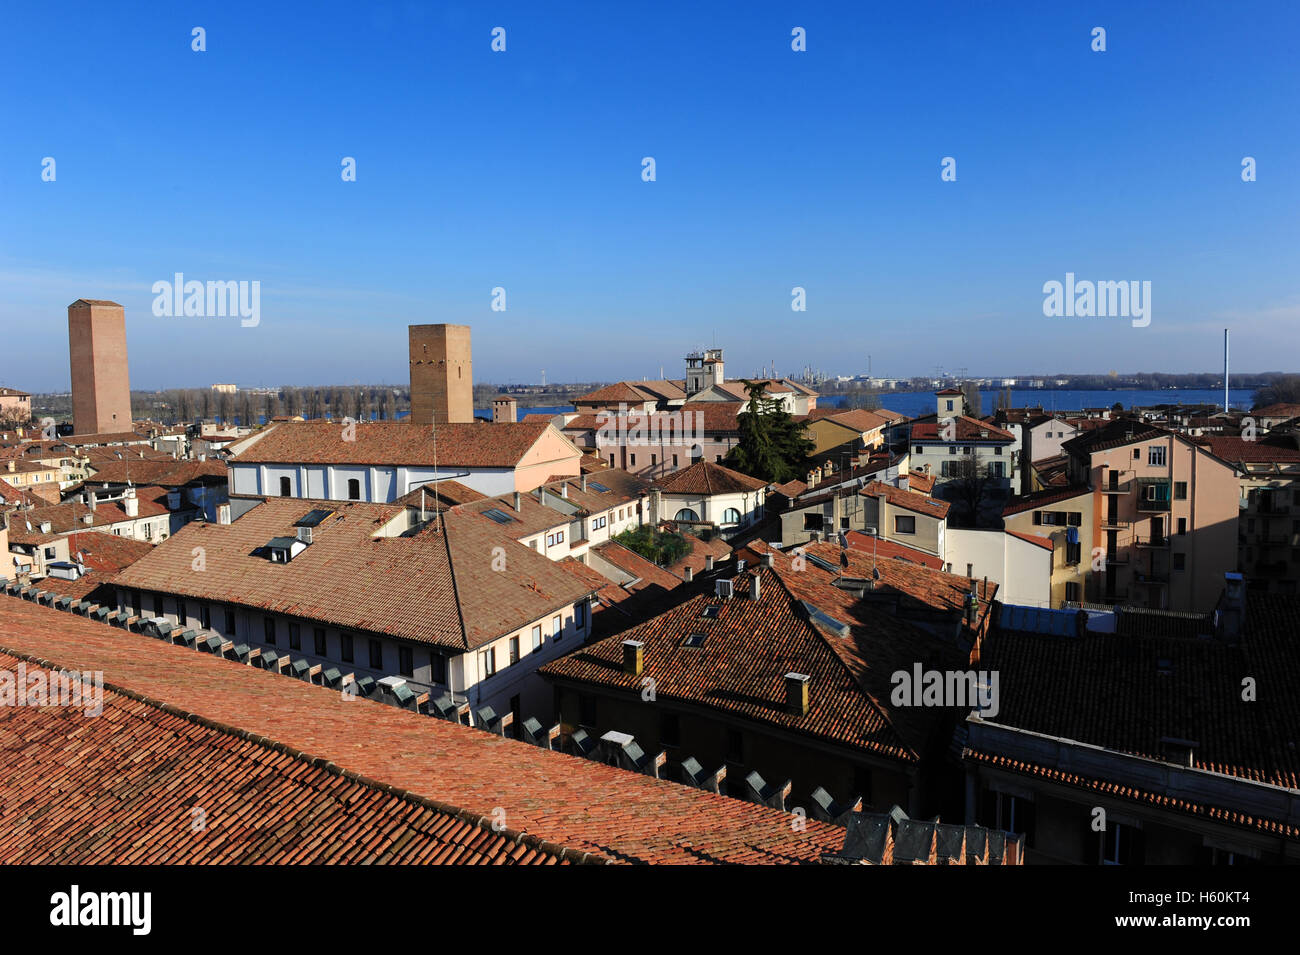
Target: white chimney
{"type": "Point", "coordinates": [130, 503]}
{"type": "Point", "coordinates": [223, 513]}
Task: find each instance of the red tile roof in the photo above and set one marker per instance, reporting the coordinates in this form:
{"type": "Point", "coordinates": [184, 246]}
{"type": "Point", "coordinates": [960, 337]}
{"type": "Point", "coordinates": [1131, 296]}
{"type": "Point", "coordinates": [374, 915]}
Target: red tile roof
{"type": "Point", "coordinates": [706, 478]}
{"type": "Point", "coordinates": [1051, 495]}
{"type": "Point", "coordinates": [885, 548]}
{"type": "Point", "coordinates": [436, 587]}
{"type": "Point", "coordinates": [1237, 450]}
{"type": "Point", "coordinates": [907, 500]}
{"type": "Point", "coordinates": [1043, 542]}
{"type": "Point", "coordinates": [750, 645]}
{"type": "Point", "coordinates": [395, 443]}
{"type": "Point", "coordinates": [969, 430]}
{"type": "Point", "coordinates": [576, 806]}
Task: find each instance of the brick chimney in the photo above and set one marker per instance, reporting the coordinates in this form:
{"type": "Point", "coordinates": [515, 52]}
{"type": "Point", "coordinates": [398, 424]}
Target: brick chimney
{"type": "Point", "coordinates": [633, 657]}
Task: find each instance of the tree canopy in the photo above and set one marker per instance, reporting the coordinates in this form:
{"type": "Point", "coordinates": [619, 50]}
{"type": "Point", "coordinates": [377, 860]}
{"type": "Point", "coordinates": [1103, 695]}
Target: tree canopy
{"type": "Point", "coordinates": [773, 446]}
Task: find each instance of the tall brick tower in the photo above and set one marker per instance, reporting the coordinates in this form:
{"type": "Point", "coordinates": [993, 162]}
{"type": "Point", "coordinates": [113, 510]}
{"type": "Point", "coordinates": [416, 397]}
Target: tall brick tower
{"type": "Point", "coordinates": [442, 379]}
{"type": "Point", "coordinates": [101, 387]}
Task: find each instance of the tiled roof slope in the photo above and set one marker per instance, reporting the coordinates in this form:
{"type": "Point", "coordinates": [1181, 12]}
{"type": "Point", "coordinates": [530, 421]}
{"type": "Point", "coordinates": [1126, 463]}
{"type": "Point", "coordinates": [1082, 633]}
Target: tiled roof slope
{"type": "Point", "coordinates": [751, 644]}
{"type": "Point", "coordinates": [705, 477]}
{"type": "Point", "coordinates": [573, 803]}
{"type": "Point", "coordinates": [406, 587]}
{"type": "Point", "coordinates": [1110, 690]}
{"type": "Point", "coordinates": [395, 442]}
{"type": "Point", "coordinates": [123, 787]}
{"type": "Point", "coordinates": [907, 500]}
{"type": "Point", "coordinates": [968, 430]}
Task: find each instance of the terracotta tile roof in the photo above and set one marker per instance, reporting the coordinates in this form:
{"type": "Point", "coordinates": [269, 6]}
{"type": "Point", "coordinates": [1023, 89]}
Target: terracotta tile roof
{"type": "Point", "coordinates": [136, 757]}
{"type": "Point", "coordinates": [649, 574]}
{"type": "Point", "coordinates": [920, 482]}
{"type": "Point", "coordinates": [907, 500]}
{"type": "Point", "coordinates": [441, 494]}
{"type": "Point", "coordinates": [415, 587]}
{"type": "Point", "coordinates": [791, 489]}
{"type": "Point", "coordinates": [108, 552]}
{"type": "Point", "coordinates": [1128, 691]}
{"type": "Point", "coordinates": [707, 478]}
{"type": "Point", "coordinates": [860, 419]}
{"type": "Point", "coordinates": [1051, 495]}
{"type": "Point", "coordinates": [919, 588]}
{"type": "Point", "coordinates": [969, 430]}
{"type": "Point", "coordinates": [719, 417]}
{"type": "Point", "coordinates": [395, 443]}
{"type": "Point", "coordinates": [575, 805]}
{"type": "Point", "coordinates": [105, 437]}
{"type": "Point", "coordinates": [1280, 410]}
{"type": "Point", "coordinates": [1237, 450]}
{"type": "Point", "coordinates": [885, 548]}
{"type": "Point", "coordinates": [70, 516]}
{"type": "Point", "coordinates": [717, 548]}
{"type": "Point", "coordinates": [1112, 434]}
{"type": "Point", "coordinates": [1043, 542]}
{"type": "Point", "coordinates": [750, 645]}
{"type": "Point", "coordinates": [621, 391]}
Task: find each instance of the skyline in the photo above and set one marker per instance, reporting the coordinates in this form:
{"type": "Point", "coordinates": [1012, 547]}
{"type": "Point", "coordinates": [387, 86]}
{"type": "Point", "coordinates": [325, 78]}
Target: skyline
{"type": "Point", "coordinates": [774, 169]}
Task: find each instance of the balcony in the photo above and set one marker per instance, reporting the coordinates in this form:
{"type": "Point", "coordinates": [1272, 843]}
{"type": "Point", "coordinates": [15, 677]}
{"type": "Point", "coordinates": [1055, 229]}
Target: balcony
{"type": "Point", "coordinates": [1117, 487]}
{"type": "Point", "coordinates": [1152, 578]}
{"type": "Point", "coordinates": [1115, 524]}
{"type": "Point", "coordinates": [1151, 505]}
{"type": "Point", "coordinates": [1115, 597]}
{"type": "Point", "coordinates": [1156, 542]}
{"type": "Point", "coordinates": [1119, 558]}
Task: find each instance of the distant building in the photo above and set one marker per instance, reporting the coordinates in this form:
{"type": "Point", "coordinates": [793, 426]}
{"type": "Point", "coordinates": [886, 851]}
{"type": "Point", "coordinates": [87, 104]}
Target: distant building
{"type": "Point", "coordinates": [225, 389]}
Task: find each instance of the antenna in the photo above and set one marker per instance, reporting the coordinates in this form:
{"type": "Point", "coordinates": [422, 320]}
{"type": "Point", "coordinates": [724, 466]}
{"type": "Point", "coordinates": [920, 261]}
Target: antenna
{"type": "Point", "coordinates": [1225, 371]}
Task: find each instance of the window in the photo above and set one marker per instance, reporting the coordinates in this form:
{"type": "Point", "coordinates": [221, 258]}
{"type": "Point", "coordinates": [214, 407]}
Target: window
{"type": "Point", "coordinates": [557, 627]}
{"type": "Point", "coordinates": [438, 664]}
{"type": "Point", "coordinates": [559, 537]}
{"type": "Point", "coordinates": [1072, 590]}
{"type": "Point", "coordinates": [1073, 552]}
{"type": "Point", "coordinates": [632, 459]}
{"type": "Point", "coordinates": [948, 405]}
{"type": "Point", "coordinates": [286, 487]}
{"type": "Point", "coordinates": [998, 449]}
{"type": "Point", "coordinates": [1180, 490]}
{"type": "Point", "coordinates": [918, 449]}
{"type": "Point", "coordinates": [487, 662]}
{"type": "Point", "coordinates": [376, 655]}
{"type": "Point", "coordinates": [354, 489]}
{"type": "Point", "coordinates": [268, 629]}
{"type": "Point", "coordinates": [1013, 814]}
{"type": "Point", "coordinates": [686, 514]}
{"type": "Point", "coordinates": [952, 449]}
{"type": "Point", "coordinates": [318, 635]}
{"type": "Point", "coordinates": [157, 605]}
{"type": "Point", "coordinates": [205, 616]}
{"type": "Point", "coordinates": [580, 615]}
{"type": "Point", "coordinates": [1182, 526]}
{"type": "Point", "coordinates": [550, 540]}
{"type": "Point", "coordinates": [674, 460]}
{"type": "Point", "coordinates": [514, 650]}
{"type": "Point", "coordinates": [1180, 561]}
{"type": "Point", "coordinates": [731, 516]}
{"type": "Point", "coordinates": [1156, 456]}
{"type": "Point", "coordinates": [345, 647]}
{"type": "Point", "coordinates": [587, 709]}
{"type": "Point", "coordinates": [406, 661]}
{"type": "Point", "coordinates": [654, 459]}
{"type": "Point", "coordinates": [295, 637]}
{"type": "Point", "coordinates": [812, 521]}
{"type": "Point", "coordinates": [1121, 844]}
{"type": "Point", "coordinates": [229, 629]}
{"type": "Point", "coordinates": [904, 525]}
{"type": "Point", "coordinates": [537, 637]}
{"type": "Point", "coordinates": [1137, 453]}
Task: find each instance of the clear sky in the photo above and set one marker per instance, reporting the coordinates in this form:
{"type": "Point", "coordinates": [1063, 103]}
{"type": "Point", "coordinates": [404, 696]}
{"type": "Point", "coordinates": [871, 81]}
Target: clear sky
{"type": "Point", "coordinates": [775, 169]}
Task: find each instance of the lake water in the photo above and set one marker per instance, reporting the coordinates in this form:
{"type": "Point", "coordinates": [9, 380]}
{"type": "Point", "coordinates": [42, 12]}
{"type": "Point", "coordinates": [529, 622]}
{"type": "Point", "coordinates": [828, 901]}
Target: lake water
{"type": "Point", "coordinates": [914, 403]}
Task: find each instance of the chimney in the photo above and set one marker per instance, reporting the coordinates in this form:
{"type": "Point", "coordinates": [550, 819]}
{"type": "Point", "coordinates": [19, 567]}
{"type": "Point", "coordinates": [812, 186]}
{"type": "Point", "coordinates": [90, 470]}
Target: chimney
{"type": "Point", "coordinates": [796, 693]}
{"type": "Point", "coordinates": [633, 657]}
{"type": "Point", "coordinates": [518, 503]}
{"type": "Point", "coordinates": [130, 503]}
{"type": "Point", "coordinates": [564, 490]}
{"type": "Point", "coordinates": [584, 482]}
{"type": "Point", "coordinates": [768, 560]}
{"type": "Point", "coordinates": [1232, 616]}
{"type": "Point", "coordinates": [754, 591]}
{"type": "Point", "coordinates": [708, 562]}
{"type": "Point", "coordinates": [690, 574]}
{"type": "Point", "coordinates": [223, 513]}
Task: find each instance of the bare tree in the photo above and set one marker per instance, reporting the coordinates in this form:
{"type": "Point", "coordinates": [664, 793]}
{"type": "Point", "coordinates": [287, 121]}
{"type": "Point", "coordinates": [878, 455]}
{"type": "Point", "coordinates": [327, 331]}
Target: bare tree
{"type": "Point", "coordinates": [968, 488]}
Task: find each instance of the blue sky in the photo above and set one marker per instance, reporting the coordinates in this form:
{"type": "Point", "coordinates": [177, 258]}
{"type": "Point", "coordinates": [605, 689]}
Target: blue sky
{"type": "Point", "coordinates": [774, 169]}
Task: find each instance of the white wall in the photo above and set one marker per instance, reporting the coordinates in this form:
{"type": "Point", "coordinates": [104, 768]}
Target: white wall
{"type": "Point", "coordinates": [1022, 571]}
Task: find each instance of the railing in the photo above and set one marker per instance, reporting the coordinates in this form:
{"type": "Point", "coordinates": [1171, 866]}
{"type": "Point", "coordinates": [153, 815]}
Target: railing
{"type": "Point", "coordinates": [1151, 541]}
{"type": "Point", "coordinates": [1115, 523]}
{"type": "Point", "coordinates": [1152, 577]}
{"type": "Point", "coordinates": [1117, 487]}
{"type": "Point", "coordinates": [1146, 504]}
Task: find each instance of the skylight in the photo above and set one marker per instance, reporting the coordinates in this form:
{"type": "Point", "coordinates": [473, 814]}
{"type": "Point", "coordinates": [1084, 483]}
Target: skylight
{"type": "Point", "coordinates": [711, 611]}
{"type": "Point", "coordinates": [597, 486]}
{"type": "Point", "coordinates": [501, 517]}
{"type": "Point", "coordinates": [694, 640]}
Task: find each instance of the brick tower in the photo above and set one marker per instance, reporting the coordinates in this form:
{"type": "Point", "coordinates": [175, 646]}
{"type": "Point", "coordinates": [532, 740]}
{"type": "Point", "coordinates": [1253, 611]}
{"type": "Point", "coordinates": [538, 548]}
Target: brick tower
{"type": "Point", "coordinates": [101, 387]}
{"type": "Point", "coordinates": [442, 380]}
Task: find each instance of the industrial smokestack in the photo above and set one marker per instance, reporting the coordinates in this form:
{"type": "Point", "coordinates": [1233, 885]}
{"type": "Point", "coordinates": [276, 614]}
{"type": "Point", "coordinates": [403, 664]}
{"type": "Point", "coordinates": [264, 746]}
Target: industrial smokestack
{"type": "Point", "coordinates": [1225, 371]}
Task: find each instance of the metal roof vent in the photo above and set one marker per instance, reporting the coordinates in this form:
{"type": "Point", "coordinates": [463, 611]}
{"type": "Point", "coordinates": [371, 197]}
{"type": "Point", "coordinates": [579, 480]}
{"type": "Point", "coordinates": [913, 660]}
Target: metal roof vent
{"type": "Point", "coordinates": [724, 589]}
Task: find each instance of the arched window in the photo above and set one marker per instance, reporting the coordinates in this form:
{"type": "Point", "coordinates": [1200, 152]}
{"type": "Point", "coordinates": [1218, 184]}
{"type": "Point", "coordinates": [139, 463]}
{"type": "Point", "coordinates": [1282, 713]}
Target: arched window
{"type": "Point", "coordinates": [286, 487]}
{"type": "Point", "coordinates": [731, 516]}
{"type": "Point", "coordinates": [686, 514]}
{"type": "Point", "coordinates": [354, 489]}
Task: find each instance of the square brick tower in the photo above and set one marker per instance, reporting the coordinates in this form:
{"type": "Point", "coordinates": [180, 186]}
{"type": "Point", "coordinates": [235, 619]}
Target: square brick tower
{"type": "Point", "coordinates": [101, 387]}
{"type": "Point", "coordinates": [442, 379]}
